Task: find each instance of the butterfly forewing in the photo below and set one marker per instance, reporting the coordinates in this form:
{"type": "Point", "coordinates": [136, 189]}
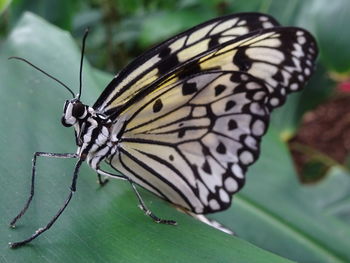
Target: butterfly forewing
{"type": "Point", "coordinates": [174, 52]}
{"type": "Point", "coordinates": [282, 57]}
{"type": "Point", "coordinates": [191, 141]}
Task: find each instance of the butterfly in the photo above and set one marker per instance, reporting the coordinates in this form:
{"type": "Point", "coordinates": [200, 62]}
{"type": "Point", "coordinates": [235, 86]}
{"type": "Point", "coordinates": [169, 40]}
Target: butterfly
{"type": "Point", "coordinates": [185, 119]}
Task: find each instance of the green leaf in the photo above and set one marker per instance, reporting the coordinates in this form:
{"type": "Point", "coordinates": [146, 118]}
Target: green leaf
{"type": "Point", "coordinates": [100, 224]}
{"type": "Point", "coordinates": [287, 118]}
{"type": "Point", "coordinates": [275, 212]}
{"type": "Point", "coordinates": [60, 13]}
{"type": "Point", "coordinates": [3, 5]}
{"type": "Point", "coordinates": [329, 23]}
{"type": "Point", "coordinates": [284, 11]}
{"type": "Point", "coordinates": [161, 25]}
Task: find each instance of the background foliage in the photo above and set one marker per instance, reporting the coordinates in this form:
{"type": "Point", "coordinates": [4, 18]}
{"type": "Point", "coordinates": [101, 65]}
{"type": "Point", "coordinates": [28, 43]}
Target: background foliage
{"type": "Point", "coordinates": [274, 212]}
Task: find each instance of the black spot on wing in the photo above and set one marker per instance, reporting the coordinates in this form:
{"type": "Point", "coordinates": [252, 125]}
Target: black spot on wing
{"type": "Point", "coordinates": [164, 52]}
{"type": "Point", "coordinates": [236, 78]}
{"type": "Point", "coordinates": [189, 88]}
{"type": "Point", "coordinates": [229, 105]}
{"type": "Point", "coordinates": [206, 167]}
{"type": "Point", "coordinates": [189, 70]}
{"type": "Point", "coordinates": [157, 106]}
{"type": "Point", "coordinates": [214, 41]}
{"type": "Point", "coordinates": [167, 64]}
{"type": "Point", "coordinates": [219, 89]}
{"type": "Point", "coordinates": [241, 60]}
{"type": "Point", "coordinates": [221, 148]}
{"type": "Point", "coordinates": [181, 133]}
{"type": "Point", "coordinates": [278, 76]}
{"type": "Point", "coordinates": [232, 125]}
{"type": "Point", "coordinates": [205, 151]}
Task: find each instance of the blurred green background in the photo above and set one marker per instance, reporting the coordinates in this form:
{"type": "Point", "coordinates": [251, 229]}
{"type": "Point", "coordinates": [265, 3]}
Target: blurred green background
{"type": "Point", "coordinates": [277, 216]}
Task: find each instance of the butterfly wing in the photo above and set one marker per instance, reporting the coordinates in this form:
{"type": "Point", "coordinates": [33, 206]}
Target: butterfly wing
{"type": "Point", "coordinates": [189, 134]}
{"type": "Point", "coordinates": [283, 57]}
{"type": "Point", "coordinates": [175, 52]}
{"type": "Point", "coordinates": [191, 142]}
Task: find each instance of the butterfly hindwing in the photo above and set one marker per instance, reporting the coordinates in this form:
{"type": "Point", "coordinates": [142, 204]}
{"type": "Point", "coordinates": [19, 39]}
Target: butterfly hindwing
{"type": "Point", "coordinates": [190, 142]}
{"type": "Point", "coordinates": [174, 52]}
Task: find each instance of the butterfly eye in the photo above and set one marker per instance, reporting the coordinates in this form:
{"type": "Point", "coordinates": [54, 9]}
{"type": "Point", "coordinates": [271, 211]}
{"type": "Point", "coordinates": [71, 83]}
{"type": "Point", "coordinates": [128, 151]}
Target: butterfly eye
{"type": "Point", "coordinates": [78, 110]}
{"type": "Point", "coordinates": [72, 111]}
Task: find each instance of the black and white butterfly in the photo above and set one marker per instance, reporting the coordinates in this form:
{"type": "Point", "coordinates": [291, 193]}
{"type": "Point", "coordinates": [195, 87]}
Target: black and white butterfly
{"type": "Point", "coordinates": [185, 119]}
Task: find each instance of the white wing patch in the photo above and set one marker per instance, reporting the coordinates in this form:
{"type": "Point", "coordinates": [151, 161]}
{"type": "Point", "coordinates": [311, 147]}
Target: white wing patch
{"type": "Point", "coordinates": [196, 144]}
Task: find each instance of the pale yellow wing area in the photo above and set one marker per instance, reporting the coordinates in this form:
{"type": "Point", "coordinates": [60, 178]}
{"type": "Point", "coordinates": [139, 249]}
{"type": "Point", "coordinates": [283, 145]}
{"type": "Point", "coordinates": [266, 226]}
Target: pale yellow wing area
{"type": "Point", "coordinates": [175, 52]}
{"type": "Point", "coordinates": [282, 57]}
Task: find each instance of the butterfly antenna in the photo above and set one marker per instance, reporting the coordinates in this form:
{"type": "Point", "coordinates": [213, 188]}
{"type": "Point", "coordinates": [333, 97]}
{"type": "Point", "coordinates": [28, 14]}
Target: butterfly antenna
{"type": "Point", "coordinates": [42, 71]}
{"type": "Point", "coordinates": [81, 63]}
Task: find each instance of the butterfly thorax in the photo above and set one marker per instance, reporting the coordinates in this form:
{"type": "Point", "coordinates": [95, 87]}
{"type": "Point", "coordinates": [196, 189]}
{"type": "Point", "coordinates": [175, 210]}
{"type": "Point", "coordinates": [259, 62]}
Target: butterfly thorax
{"type": "Point", "coordinates": [92, 132]}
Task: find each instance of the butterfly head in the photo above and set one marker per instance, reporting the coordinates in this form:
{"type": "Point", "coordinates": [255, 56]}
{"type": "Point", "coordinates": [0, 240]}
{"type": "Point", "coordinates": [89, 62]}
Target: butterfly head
{"type": "Point", "coordinates": [73, 111]}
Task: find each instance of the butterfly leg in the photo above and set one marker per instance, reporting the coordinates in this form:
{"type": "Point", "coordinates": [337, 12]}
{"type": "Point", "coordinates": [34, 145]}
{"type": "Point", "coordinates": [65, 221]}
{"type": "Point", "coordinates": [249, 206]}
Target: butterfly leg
{"type": "Point", "coordinates": [60, 211]}
{"type": "Point", "coordinates": [32, 186]}
{"type": "Point", "coordinates": [148, 212]}
{"type": "Point", "coordinates": [101, 181]}
{"type": "Point", "coordinates": [142, 204]}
